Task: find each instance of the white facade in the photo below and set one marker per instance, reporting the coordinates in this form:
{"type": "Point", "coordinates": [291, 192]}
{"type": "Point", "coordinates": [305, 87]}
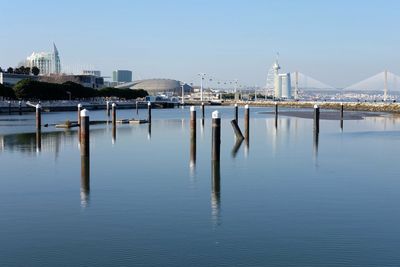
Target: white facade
{"type": "Point", "coordinates": [47, 62]}
{"type": "Point", "coordinates": [282, 83]}
{"type": "Point", "coordinates": [277, 84]}
{"type": "Point", "coordinates": [285, 85]}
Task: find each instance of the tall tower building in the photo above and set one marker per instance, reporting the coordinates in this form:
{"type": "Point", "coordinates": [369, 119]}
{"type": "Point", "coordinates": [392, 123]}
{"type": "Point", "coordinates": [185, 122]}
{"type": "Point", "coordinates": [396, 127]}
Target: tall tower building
{"type": "Point", "coordinates": [277, 83]}
{"type": "Point", "coordinates": [47, 62]}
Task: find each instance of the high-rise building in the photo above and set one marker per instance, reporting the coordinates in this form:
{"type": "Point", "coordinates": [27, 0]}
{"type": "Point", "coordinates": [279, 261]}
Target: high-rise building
{"type": "Point", "coordinates": [122, 76]}
{"type": "Point", "coordinates": [282, 83]}
{"type": "Point", "coordinates": [47, 62]}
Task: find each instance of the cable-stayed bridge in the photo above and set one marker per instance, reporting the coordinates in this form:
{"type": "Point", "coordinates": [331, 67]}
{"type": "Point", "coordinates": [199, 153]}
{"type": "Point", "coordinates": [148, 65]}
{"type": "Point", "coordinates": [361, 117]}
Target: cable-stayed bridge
{"type": "Point", "coordinates": [382, 81]}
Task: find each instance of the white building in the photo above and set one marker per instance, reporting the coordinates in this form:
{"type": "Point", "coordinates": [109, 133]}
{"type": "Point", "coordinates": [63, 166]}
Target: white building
{"type": "Point", "coordinates": [47, 62]}
{"type": "Point", "coordinates": [282, 83]}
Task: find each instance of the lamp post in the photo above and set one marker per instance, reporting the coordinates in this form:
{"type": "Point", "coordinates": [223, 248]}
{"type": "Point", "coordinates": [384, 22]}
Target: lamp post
{"type": "Point", "coordinates": [201, 85]}
{"type": "Point", "coordinates": [183, 93]}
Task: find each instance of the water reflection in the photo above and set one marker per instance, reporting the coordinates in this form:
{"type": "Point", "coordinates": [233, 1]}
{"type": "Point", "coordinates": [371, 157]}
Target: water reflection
{"type": "Point", "coordinates": [38, 140]}
{"type": "Point", "coordinates": [85, 181]}
{"type": "Point", "coordinates": [315, 143]}
{"type": "Point", "coordinates": [192, 161]}
{"type": "Point", "coordinates": [215, 192]}
{"type": "Point", "coordinates": [236, 147]}
{"type": "Point", "coordinates": [341, 124]}
{"type": "Point", "coordinates": [149, 131]}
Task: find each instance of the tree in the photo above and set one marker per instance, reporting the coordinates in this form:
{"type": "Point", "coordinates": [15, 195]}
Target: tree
{"type": "Point", "coordinates": [1, 70]}
{"type": "Point", "coordinates": [35, 71]}
{"type": "Point", "coordinates": [10, 70]}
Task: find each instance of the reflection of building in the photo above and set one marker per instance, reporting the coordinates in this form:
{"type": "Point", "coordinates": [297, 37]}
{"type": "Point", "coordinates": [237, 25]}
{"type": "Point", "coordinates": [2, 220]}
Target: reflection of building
{"type": "Point", "coordinates": [122, 76]}
{"type": "Point", "coordinates": [47, 62]}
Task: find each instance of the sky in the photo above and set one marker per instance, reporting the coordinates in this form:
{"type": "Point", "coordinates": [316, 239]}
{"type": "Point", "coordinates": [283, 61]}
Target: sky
{"type": "Point", "coordinates": [337, 42]}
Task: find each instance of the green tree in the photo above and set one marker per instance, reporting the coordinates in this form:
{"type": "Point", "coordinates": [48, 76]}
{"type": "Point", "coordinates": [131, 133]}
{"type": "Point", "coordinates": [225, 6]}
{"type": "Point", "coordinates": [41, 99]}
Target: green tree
{"type": "Point", "coordinates": [35, 70]}
{"type": "Point", "coordinates": [6, 91]}
{"type": "Point", "coordinates": [10, 70]}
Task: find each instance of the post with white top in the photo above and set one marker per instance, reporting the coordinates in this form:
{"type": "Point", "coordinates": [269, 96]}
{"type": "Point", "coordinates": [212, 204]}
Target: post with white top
{"type": "Point", "coordinates": [79, 114]}
{"type": "Point", "coordinates": [216, 136]}
{"type": "Point", "coordinates": [149, 111]}
{"type": "Point", "coordinates": [108, 108]}
{"type": "Point", "coordinates": [84, 132]}
{"type": "Point", "coordinates": [276, 109]}
{"type": "Point", "coordinates": [20, 107]}
{"type": "Point", "coordinates": [38, 117]}
{"type": "Point", "coordinates": [246, 122]}
{"type": "Point", "coordinates": [202, 110]}
{"type": "Point", "coordinates": [192, 162]}
{"type": "Point", "coordinates": [316, 119]}
{"type": "Point", "coordinates": [236, 113]}
{"type": "Point", "coordinates": [114, 120]}
{"type": "Point", "coordinates": [9, 107]}
{"type": "Point", "coordinates": [215, 162]}
{"type": "Point", "coordinates": [341, 115]}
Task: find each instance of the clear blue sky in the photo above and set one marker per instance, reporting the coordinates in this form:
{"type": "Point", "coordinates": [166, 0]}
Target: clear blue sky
{"type": "Point", "coordinates": [337, 42]}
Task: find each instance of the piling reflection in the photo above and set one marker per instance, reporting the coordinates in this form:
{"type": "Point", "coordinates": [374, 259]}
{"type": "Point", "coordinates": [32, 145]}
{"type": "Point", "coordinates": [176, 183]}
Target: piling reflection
{"type": "Point", "coordinates": [236, 147]}
{"type": "Point", "coordinates": [38, 140]}
{"type": "Point", "coordinates": [85, 181]}
{"type": "Point", "coordinates": [315, 143]}
{"type": "Point", "coordinates": [114, 133]}
{"type": "Point", "coordinates": [192, 162]}
{"type": "Point", "coordinates": [149, 131]}
{"type": "Point", "coordinates": [276, 121]}
{"type": "Point", "coordinates": [215, 192]}
{"type": "Point", "coordinates": [341, 124]}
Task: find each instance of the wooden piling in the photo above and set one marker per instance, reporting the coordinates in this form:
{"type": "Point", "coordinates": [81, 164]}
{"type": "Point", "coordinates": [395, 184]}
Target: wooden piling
{"type": "Point", "coordinates": [108, 108]}
{"type": "Point", "coordinates": [192, 162]}
{"type": "Point", "coordinates": [236, 129]}
{"type": "Point", "coordinates": [149, 111]}
{"type": "Point", "coordinates": [246, 122]}
{"type": "Point", "coordinates": [79, 114]}
{"type": "Point", "coordinates": [236, 113]}
{"type": "Point", "coordinates": [341, 111]}
{"type": "Point", "coordinates": [9, 107]}
{"type": "Point", "coordinates": [137, 109]}
{"type": "Point", "coordinates": [20, 107]}
{"type": "Point", "coordinates": [316, 118]}
{"type": "Point", "coordinates": [38, 117]}
{"type": "Point", "coordinates": [114, 114]}
{"type": "Point", "coordinates": [216, 136]}
{"type": "Point", "coordinates": [202, 110]}
{"type": "Point", "coordinates": [85, 133]}
{"type": "Point", "coordinates": [276, 109]}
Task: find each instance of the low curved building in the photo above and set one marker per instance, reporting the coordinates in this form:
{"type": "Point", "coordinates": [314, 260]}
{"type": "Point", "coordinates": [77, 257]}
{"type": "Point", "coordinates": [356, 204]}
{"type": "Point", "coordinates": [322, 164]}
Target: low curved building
{"type": "Point", "coordinates": [154, 86]}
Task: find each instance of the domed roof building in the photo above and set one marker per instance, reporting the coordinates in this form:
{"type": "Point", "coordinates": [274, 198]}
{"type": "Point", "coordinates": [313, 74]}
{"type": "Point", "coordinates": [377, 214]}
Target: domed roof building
{"type": "Point", "coordinates": [154, 86]}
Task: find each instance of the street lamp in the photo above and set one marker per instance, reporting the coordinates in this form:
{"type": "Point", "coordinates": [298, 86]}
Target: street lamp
{"type": "Point", "coordinates": [201, 85]}
{"type": "Point", "coordinates": [183, 93]}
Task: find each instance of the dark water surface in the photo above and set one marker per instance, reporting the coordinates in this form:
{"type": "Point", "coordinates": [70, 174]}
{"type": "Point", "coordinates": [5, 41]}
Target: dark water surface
{"type": "Point", "coordinates": [287, 199]}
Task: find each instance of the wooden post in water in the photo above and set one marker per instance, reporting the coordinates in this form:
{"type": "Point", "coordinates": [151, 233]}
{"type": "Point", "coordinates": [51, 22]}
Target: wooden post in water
{"type": "Point", "coordinates": [341, 115]}
{"type": "Point", "coordinates": [79, 114]}
{"type": "Point", "coordinates": [38, 117]}
{"type": "Point", "coordinates": [9, 107]}
{"type": "Point", "coordinates": [202, 110]}
{"type": "Point", "coordinates": [114, 121]}
{"type": "Point", "coordinates": [137, 109]}
{"type": "Point", "coordinates": [316, 118]}
{"type": "Point", "coordinates": [85, 134]}
{"type": "Point", "coordinates": [20, 107]}
{"type": "Point", "coordinates": [149, 111]}
{"type": "Point", "coordinates": [108, 108]}
{"type": "Point", "coordinates": [216, 136]}
{"type": "Point", "coordinates": [114, 114]}
{"type": "Point", "coordinates": [236, 129]}
{"type": "Point", "coordinates": [192, 162]}
{"type": "Point", "coordinates": [246, 122]}
{"type": "Point", "coordinates": [276, 115]}
{"type": "Point", "coordinates": [236, 113]}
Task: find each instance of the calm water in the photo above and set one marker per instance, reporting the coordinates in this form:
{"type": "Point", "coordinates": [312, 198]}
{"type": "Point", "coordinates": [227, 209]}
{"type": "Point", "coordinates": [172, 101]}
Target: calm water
{"type": "Point", "coordinates": [285, 200]}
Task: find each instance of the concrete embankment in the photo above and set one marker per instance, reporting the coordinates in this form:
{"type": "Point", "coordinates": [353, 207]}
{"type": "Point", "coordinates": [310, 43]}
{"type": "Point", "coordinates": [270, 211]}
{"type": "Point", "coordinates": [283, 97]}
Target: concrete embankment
{"type": "Point", "coordinates": [352, 106]}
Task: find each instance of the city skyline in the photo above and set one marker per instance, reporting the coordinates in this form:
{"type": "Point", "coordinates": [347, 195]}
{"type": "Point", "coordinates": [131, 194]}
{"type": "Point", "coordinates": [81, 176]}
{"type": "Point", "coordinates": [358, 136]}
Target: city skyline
{"type": "Point", "coordinates": [338, 43]}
